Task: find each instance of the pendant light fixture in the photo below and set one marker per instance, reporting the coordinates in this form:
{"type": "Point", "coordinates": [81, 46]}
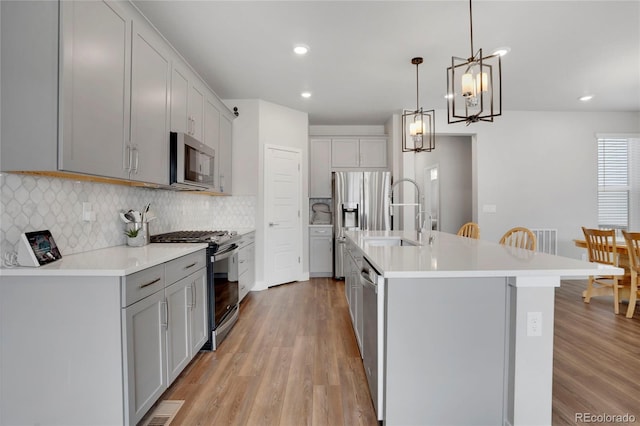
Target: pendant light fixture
{"type": "Point", "coordinates": [418, 126]}
{"type": "Point", "coordinates": [474, 85]}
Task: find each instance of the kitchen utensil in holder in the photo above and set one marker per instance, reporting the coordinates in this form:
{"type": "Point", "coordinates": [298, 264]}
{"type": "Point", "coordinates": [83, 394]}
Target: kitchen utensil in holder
{"type": "Point", "coordinates": [143, 238]}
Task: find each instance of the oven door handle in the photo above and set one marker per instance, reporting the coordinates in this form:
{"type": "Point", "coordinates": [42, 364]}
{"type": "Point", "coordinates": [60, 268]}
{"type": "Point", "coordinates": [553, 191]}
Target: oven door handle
{"type": "Point", "coordinates": [225, 254]}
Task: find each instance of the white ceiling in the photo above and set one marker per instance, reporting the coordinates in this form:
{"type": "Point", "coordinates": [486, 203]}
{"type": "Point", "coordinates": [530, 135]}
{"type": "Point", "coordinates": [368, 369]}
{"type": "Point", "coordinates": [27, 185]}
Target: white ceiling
{"type": "Point", "coordinates": [359, 70]}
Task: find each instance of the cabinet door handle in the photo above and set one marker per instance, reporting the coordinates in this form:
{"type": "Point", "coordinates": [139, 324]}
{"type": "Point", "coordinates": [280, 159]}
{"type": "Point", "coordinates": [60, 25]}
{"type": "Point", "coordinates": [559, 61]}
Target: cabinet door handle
{"type": "Point", "coordinates": [190, 266]}
{"type": "Point", "coordinates": [165, 323]}
{"type": "Point", "coordinates": [129, 153]}
{"type": "Point", "coordinates": [137, 159]}
{"type": "Point", "coordinates": [168, 312]}
{"type": "Point", "coordinates": [150, 283]}
{"type": "Point", "coordinates": [194, 299]}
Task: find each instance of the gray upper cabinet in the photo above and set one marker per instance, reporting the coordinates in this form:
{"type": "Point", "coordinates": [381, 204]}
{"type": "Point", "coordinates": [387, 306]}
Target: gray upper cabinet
{"type": "Point", "coordinates": [373, 152]}
{"type": "Point", "coordinates": [211, 124]}
{"type": "Point", "coordinates": [363, 152]}
{"type": "Point", "coordinates": [91, 87]}
{"type": "Point", "coordinates": [225, 154]}
{"type": "Point", "coordinates": [179, 99]}
{"type": "Point", "coordinates": [345, 152]}
{"type": "Point", "coordinates": [212, 135]}
{"type": "Point", "coordinates": [94, 103]}
{"type": "Point", "coordinates": [320, 168]}
{"type": "Point", "coordinates": [149, 148]}
{"type": "Point", "coordinates": [196, 110]}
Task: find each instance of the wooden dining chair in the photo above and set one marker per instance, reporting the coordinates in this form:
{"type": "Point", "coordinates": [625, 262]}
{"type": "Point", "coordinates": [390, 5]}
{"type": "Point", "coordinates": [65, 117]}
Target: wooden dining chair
{"type": "Point", "coordinates": [601, 248]}
{"type": "Point", "coordinates": [633, 248]}
{"type": "Point", "coordinates": [519, 237]}
{"type": "Point", "coordinates": [469, 230]}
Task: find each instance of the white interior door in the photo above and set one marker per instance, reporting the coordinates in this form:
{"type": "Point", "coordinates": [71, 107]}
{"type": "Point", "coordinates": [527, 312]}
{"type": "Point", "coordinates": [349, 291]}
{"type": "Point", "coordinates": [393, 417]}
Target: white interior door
{"type": "Point", "coordinates": [283, 186]}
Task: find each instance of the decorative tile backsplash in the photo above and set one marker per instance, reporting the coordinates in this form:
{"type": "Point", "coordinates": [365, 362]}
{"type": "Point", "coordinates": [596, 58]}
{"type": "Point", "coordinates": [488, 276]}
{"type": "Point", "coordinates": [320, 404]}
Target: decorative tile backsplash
{"type": "Point", "coordinates": [31, 203]}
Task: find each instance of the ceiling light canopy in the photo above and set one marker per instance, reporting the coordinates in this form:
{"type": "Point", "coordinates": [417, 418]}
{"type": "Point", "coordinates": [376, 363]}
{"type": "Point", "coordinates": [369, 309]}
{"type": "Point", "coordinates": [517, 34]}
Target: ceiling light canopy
{"type": "Point", "coordinates": [305, 94]}
{"type": "Point", "coordinates": [418, 126]}
{"type": "Point", "coordinates": [301, 49]}
{"type": "Point", "coordinates": [585, 98]}
{"type": "Point", "coordinates": [475, 83]}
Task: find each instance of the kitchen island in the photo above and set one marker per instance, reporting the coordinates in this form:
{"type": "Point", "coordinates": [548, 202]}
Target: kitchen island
{"type": "Point", "coordinates": [464, 328]}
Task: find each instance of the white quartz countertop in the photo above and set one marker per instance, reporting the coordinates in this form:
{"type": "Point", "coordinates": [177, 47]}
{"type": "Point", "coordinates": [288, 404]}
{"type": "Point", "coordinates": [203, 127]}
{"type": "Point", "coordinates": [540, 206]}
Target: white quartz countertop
{"type": "Point", "coordinates": [110, 261]}
{"type": "Point", "coordinates": [453, 256]}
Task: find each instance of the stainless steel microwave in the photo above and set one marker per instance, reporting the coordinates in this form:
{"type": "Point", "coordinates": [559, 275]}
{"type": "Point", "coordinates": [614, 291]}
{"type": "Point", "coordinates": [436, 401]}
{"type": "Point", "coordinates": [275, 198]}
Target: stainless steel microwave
{"type": "Point", "coordinates": [191, 163]}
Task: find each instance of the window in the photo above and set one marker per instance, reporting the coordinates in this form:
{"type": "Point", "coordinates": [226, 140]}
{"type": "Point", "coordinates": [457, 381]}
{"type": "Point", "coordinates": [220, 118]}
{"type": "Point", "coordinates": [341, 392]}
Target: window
{"type": "Point", "coordinates": [618, 183]}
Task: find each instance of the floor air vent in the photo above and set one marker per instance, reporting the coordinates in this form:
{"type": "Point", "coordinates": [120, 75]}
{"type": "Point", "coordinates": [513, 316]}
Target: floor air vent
{"type": "Point", "coordinates": [546, 240]}
{"type": "Point", "coordinates": [163, 414]}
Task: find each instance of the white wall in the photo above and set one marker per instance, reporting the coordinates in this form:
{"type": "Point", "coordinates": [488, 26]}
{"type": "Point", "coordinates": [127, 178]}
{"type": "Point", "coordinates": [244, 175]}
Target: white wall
{"type": "Point", "coordinates": [538, 168]}
{"type": "Point", "coordinates": [263, 123]}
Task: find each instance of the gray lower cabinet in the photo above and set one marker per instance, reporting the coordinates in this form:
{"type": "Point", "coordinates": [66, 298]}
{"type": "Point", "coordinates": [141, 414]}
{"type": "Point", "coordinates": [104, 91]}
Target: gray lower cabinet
{"type": "Point", "coordinates": [146, 355]}
{"type": "Point", "coordinates": [178, 311]}
{"type": "Point", "coordinates": [353, 263]}
{"type": "Point", "coordinates": [246, 264]}
{"type": "Point", "coordinates": [321, 251]}
{"type": "Point", "coordinates": [164, 331]}
{"type": "Point", "coordinates": [98, 349]}
{"type": "Point", "coordinates": [199, 320]}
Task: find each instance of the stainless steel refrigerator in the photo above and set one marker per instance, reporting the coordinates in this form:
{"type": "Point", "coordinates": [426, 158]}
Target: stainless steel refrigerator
{"type": "Point", "coordinates": [360, 201]}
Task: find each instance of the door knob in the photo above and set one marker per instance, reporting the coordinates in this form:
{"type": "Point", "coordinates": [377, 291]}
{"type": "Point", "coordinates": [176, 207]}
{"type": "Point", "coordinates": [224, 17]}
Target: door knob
{"type": "Point", "coordinates": [273, 224]}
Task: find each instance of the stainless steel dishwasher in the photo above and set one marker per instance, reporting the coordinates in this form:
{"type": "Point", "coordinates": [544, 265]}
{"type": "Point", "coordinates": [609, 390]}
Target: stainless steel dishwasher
{"type": "Point", "coordinates": [372, 315]}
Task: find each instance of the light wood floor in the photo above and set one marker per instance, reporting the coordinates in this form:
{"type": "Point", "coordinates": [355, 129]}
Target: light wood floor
{"type": "Point", "coordinates": [292, 360]}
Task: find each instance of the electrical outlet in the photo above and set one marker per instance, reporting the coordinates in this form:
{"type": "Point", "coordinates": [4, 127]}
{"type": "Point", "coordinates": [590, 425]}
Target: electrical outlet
{"type": "Point", "coordinates": [534, 324]}
{"type": "Point", "coordinates": [489, 208]}
{"type": "Point", "coordinates": [87, 214]}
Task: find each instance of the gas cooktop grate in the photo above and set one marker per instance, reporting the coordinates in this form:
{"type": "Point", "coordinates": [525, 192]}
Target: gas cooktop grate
{"type": "Point", "coordinates": [188, 236]}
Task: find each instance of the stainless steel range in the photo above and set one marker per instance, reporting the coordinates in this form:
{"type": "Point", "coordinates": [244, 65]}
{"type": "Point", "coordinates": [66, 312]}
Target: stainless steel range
{"type": "Point", "coordinates": [223, 294]}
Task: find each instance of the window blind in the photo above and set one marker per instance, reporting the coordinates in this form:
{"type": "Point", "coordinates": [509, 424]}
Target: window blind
{"type": "Point", "coordinates": [613, 183]}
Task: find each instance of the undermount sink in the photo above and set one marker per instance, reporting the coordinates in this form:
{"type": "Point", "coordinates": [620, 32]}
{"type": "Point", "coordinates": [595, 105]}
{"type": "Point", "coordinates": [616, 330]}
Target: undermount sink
{"type": "Point", "coordinates": [388, 241]}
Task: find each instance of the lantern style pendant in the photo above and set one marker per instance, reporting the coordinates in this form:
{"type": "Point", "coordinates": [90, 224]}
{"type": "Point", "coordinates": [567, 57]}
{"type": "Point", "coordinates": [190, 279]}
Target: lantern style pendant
{"type": "Point", "coordinates": [418, 125]}
{"type": "Point", "coordinates": [474, 90]}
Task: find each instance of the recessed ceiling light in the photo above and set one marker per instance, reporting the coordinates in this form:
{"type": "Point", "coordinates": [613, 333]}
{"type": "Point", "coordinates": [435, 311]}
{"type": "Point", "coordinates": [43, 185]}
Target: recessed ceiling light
{"type": "Point", "coordinates": [501, 51]}
{"type": "Point", "coordinates": [448, 96]}
{"type": "Point", "coordinates": [585, 98]}
{"type": "Point", "coordinates": [301, 49]}
{"type": "Point", "coordinates": [305, 94]}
